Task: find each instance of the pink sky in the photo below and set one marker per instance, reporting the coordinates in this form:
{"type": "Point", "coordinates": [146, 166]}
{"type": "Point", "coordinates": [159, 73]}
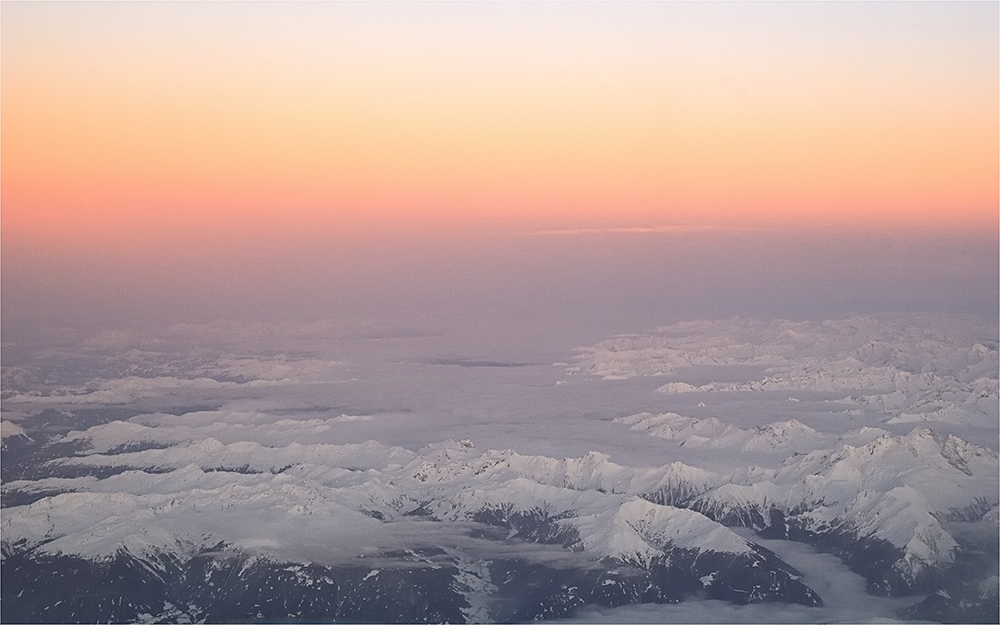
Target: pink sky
{"type": "Point", "coordinates": [250, 143]}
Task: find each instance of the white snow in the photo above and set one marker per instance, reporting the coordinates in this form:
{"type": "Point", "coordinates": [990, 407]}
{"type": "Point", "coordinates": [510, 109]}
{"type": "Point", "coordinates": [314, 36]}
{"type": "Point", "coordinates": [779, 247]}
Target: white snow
{"type": "Point", "coordinates": [9, 428]}
{"type": "Point", "coordinates": [874, 424]}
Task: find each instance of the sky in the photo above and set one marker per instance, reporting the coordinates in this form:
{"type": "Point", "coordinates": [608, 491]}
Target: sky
{"type": "Point", "coordinates": [167, 162]}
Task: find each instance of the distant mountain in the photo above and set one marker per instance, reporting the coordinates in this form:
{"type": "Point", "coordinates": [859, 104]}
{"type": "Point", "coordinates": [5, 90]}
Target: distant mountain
{"type": "Point", "coordinates": [274, 524]}
{"type": "Point", "coordinates": [205, 514]}
{"type": "Point", "coordinates": [158, 543]}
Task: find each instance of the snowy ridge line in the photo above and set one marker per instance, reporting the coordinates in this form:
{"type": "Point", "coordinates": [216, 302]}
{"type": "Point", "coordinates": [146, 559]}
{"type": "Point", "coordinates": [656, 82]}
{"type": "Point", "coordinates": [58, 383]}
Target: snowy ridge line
{"type": "Point", "coordinates": [914, 373]}
{"type": "Point", "coordinates": [945, 348]}
{"type": "Point", "coordinates": [896, 489]}
{"type": "Point", "coordinates": [869, 484]}
{"type": "Point", "coordinates": [153, 374]}
{"type": "Point", "coordinates": [325, 492]}
{"type": "Point", "coordinates": [9, 429]}
{"type": "Point", "coordinates": [783, 437]}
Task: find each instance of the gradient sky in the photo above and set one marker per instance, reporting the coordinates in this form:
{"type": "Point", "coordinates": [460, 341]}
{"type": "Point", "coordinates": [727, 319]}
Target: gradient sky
{"type": "Point", "coordinates": [207, 148]}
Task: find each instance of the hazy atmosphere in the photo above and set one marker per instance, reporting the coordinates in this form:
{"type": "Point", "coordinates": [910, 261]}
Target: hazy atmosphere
{"type": "Point", "coordinates": [170, 162]}
{"type": "Point", "coordinates": [495, 312]}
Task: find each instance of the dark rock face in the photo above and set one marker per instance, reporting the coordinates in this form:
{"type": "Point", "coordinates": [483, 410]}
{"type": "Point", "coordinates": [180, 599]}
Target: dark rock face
{"type": "Point", "coordinates": [730, 516]}
{"type": "Point", "coordinates": [58, 589]}
{"type": "Point", "coordinates": [418, 591]}
{"type": "Point", "coordinates": [528, 592]}
{"type": "Point", "coordinates": [678, 493]}
{"type": "Point", "coordinates": [958, 604]}
{"type": "Point", "coordinates": [755, 578]}
{"type": "Point", "coordinates": [872, 558]}
{"type": "Point", "coordinates": [536, 525]}
{"type": "Point", "coordinates": [407, 587]}
{"type": "Point", "coordinates": [738, 578]}
{"type": "Point", "coordinates": [227, 589]}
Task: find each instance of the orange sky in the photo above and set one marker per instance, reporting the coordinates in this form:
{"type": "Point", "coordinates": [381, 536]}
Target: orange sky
{"type": "Point", "coordinates": [146, 122]}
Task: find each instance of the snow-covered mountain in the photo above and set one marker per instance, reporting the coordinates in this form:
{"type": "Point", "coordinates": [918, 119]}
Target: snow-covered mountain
{"type": "Point", "coordinates": [218, 487]}
{"type": "Point", "coordinates": [914, 372]}
{"type": "Point", "coordinates": [342, 509]}
{"type": "Point", "coordinates": [782, 437]}
{"type": "Point", "coordinates": [12, 433]}
{"type": "Point", "coordinates": [334, 506]}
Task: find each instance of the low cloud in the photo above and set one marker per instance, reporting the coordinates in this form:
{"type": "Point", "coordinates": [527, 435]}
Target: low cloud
{"type": "Point", "coordinates": [634, 230]}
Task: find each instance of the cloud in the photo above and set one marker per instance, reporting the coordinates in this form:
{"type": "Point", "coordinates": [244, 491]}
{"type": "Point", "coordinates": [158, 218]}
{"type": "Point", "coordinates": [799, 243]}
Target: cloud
{"type": "Point", "coordinates": [281, 333]}
{"type": "Point", "coordinates": [346, 418]}
{"type": "Point", "coordinates": [123, 391]}
{"type": "Point", "coordinates": [911, 369]}
{"type": "Point", "coordinates": [122, 340]}
{"type": "Point", "coordinates": [636, 230]}
{"type": "Point", "coordinates": [845, 600]}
